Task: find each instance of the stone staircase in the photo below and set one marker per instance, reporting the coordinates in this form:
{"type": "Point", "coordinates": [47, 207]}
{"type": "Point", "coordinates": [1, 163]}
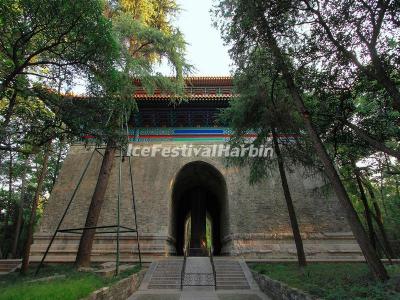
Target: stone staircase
{"type": "Point", "coordinates": [234, 280]}
{"type": "Point", "coordinates": [167, 274]}
{"type": "Point", "coordinates": [9, 265]}
{"type": "Point", "coordinates": [230, 275]}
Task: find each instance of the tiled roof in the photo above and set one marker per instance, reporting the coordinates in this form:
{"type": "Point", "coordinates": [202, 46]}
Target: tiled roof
{"type": "Point", "coordinates": [197, 89]}
{"type": "Point", "coordinates": [203, 81]}
{"type": "Point", "coordinates": [209, 81]}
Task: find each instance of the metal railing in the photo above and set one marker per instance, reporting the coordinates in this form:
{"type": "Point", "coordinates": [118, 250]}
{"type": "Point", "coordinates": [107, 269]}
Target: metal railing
{"type": "Point", "coordinates": [213, 268]}
{"type": "Point", "coordinates": [183, 267]}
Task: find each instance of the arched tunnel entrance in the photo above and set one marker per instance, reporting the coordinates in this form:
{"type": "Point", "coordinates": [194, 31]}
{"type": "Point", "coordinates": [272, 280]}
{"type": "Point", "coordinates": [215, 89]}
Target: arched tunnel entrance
{"type": "Point", "coordinates": [200, 218]}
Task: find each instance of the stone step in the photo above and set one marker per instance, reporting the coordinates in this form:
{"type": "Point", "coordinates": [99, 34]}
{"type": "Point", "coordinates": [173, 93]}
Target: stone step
{"type": "Point", "coordinates": [232, 280]}
{"type": "Point", "coordinates": [167, 274]}
{"type": "Point", "coordinates": [230, 276]}
{"type": "Point", "coordinates": [165, 287]}
{"type": "Point", "coordinates": [238, 284]}
{"type": "Point", "coordinates": [170, 267]}
{"type": "Point", "coordinates": [166, 282]}
{"type": "Point", "coordinates": [97, 251]}
{"type": "Point", "coordinates": [71, 258]}
{"type": "Point", "coordinates": [160, 277]}
{"type": "Point", "coordinates": [229, 287]}
{"type": "Point", "coordinates": [156, 276]}
{"type": "Point", "coordinates": [9, 265]}
{"type": "Point", "coordinates": [6, 267]}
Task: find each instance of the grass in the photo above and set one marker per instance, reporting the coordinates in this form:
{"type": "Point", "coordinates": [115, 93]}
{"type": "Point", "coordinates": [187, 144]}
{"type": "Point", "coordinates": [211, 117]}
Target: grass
{"type": "Point", "coordinates": [335, 280]}
{"type": "Point", "coordinates": [75, 285]}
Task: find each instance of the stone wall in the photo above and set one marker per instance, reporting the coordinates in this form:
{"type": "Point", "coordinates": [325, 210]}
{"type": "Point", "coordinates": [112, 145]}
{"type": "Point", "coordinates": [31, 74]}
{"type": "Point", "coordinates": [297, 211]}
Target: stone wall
{"type": "Point", "coordinates": [118, 291]}
{"type": "Point", "coordinates": [255, 222]}
{"type": "Point", "coordinates": [278, 290]}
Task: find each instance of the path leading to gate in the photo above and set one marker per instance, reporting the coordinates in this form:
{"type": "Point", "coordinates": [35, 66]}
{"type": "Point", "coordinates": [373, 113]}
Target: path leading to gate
{"type": "Point", "coordinates": [233, 280]}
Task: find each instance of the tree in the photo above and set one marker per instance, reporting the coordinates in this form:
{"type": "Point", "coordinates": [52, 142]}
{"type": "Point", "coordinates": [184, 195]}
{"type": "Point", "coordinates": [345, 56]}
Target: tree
{"type": "Point", "coordinates": [361, 35]}
{"type": "Point", "coordinates": [378, 219]}
{"type": "Point", "coordinates": [43, 46]}
{"type": "Point", "coordinates": [20, 211]}
{"type": "Point", "coordinates": [41, 38]}
{"type": "Point", "coordinates": [367, 210]}
{"type": "Point", "coordinates": [270, 24]}
{"type": "Point", "coordinates": [86, 243]}
{"type": "Point", "coordinates": [359, 233]}
{"type": "Point", "coordinates": [147, 42]}
{"type": "Point", "coordinates": [262, 107]}
{"type": "Point", "coordinates": [32, 218]}
{"type": "Point", "coordinates": [292, 214]}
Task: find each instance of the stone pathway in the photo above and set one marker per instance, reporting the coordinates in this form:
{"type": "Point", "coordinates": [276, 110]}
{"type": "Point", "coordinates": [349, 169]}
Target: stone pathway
{"type": "Point", "coordinates": [162, 281]}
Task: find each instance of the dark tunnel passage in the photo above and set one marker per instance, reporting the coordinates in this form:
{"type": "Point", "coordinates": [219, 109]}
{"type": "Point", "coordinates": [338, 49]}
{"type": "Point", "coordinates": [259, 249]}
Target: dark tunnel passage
{"type": "Point", "coordinates": [199, 198]}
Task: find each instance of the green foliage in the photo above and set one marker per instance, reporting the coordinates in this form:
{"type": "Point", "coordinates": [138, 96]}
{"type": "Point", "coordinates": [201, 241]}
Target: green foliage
{"type": "Point", "coordinates": [262, 105]}
{"type": "Point", "coordinates": [345, 71]}
{"type": "Point", "coordinates": [46, 47]}
{"type": "Point", "coordinates": [75, 285]}
{"type": "Point", "coordinates": [10, 202]}
{"type": "Point", "coordinates": [46, 43]}
{"type": "Point", "coordinates": [332, 280]}
{"type": "Point", "coordinates": [42, 36]}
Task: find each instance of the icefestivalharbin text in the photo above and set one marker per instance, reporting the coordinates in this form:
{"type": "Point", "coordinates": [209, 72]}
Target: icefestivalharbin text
{"type": "Point", "coordinates": [220, 150]}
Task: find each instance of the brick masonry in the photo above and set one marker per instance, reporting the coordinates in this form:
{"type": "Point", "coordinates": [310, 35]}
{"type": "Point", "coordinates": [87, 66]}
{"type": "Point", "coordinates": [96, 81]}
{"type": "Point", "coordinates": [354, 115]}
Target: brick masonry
{"type": "Point", "coordinates": [255, 219]}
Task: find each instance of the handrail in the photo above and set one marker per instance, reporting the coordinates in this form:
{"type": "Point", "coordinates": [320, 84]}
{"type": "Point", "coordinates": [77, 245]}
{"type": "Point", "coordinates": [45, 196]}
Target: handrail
{"type": "Point", "coordinates": [213, 268]}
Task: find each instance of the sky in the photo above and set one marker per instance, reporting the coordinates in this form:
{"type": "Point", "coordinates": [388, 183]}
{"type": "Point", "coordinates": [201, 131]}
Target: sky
{"type": "Point", "coordinates": [205, 49]}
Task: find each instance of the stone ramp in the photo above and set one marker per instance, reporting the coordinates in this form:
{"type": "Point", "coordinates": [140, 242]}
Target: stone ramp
{"type": "Point", "coordinates": [198, 273]}
{"type": "Point", "coordinates": [234, 281]}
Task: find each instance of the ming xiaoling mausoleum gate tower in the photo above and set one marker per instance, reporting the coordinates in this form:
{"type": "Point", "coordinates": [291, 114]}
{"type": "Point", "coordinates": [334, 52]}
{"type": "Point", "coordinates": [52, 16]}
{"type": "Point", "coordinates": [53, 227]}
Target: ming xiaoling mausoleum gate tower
{"type": "Point", "coordinates": [191, 201]}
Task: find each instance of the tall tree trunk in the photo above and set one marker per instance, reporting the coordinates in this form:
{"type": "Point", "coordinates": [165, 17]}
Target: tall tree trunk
{"type": "Point", "coordinates": [32, 218]}
{"type": "Point", "coordinates": [292, 213]}
{"type": "Point", "coordinates": [8, 206]}
{"type": "Point", "coordinates": [86, 242]}
{"type": "Point", "coordinates": [8, 114]}
{"type": "Point", "coordinates": [381, 176]}
{"type": "Point", "coordinates": [370, 255]}
{"type": "Point", "coordinates": [367, 210]}
{"type": "Point", "coordinates": [379, 222]}
{"type": "Point", "coordinates": [20, 210]}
